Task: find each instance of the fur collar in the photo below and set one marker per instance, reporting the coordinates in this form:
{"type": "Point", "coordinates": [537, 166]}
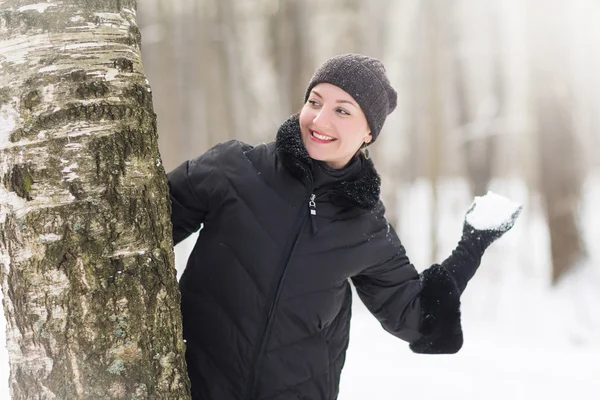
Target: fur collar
{"type": "Point", "coordinates": [364, 191]}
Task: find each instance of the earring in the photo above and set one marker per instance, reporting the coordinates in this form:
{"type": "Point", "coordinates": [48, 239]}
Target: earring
{"type": "Point", "coordinates": [366, 152]}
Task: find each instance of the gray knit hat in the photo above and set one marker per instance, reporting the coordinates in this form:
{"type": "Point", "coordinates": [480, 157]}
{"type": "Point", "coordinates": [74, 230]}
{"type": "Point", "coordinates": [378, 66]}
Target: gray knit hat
{"type": "Point", "coordinates": [364, 78]}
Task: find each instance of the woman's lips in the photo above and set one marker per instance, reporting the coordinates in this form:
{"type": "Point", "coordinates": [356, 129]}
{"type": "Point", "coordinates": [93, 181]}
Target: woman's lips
{"type": "Point", "coordinates": [320, 138]}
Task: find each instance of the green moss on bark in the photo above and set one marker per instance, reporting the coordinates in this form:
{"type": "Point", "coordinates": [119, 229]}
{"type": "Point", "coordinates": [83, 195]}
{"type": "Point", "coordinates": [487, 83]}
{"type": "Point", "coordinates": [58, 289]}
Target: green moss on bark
{"type": "Point", "coordinates": [123, 64]}
{"type": "Point", "coordinates": [4, 96]}
{"type": "Point", "coordinates": [31, 99]}
{"type": "Point", "coordinates": [20, 180]}
{"type": "Point", "coordinates": [93, 89]}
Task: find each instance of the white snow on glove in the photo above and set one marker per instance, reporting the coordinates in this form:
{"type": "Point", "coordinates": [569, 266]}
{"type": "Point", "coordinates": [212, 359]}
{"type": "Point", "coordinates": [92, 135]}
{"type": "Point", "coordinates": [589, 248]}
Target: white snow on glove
{"type": "Point", "coordinates": [492, 212]}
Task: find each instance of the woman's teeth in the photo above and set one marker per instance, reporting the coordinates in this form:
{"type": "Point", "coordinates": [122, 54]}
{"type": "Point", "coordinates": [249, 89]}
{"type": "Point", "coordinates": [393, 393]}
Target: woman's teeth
{"type": "Point", "coordinates": [321, 137]}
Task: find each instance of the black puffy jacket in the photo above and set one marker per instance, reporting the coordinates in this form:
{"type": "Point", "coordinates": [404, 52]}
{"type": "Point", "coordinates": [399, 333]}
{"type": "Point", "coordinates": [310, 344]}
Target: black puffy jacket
{"type": "Point", "coordinates": [266, 298]}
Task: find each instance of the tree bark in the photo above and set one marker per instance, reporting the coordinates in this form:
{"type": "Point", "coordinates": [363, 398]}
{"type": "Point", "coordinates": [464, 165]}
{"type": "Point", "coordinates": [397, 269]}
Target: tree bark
{"type": "Point", "coordinates": [90, 292]}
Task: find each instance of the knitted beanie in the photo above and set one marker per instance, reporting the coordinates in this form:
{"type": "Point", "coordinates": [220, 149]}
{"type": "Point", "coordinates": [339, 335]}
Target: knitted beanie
{"type": "Point", "coordinates": [364, 78]}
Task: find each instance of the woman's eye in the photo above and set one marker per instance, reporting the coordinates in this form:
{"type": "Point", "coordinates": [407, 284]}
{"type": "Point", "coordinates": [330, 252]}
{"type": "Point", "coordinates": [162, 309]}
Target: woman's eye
{"type": "Point", "coordinates": [313, 103]}
{"type": "Point", "coordinates": [343, 112]}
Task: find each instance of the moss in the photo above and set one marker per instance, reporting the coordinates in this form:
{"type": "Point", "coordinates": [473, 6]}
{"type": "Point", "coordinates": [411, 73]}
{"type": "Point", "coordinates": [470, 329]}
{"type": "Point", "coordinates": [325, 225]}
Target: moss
{"type": "Point", "coordinates": [123, 64]}
{"type": "Point", "coordinates": [4, 95]}
{"type": "Point", "coordinates": [51, 59]}
{"type": "Point", "coordinates": [77, 75]}
{"type": "Point", "coordinates": [139, 115]}
{"type": "Point", "coordinates": [31, 99]}
{"type": "Point", "coordinates": [6, 18]}
{"type": "Point", "coordinates": [20, 180]}
{"type": "Point", "coordinates": [89, 112]}
{"type": "Point", "coordinates": [135, 36]}
{"type": "Point", "coordinates": [16, 135]}
{"type": "Point", "coordinates": [111, 154]}
{"type": "Point", "coordinates": [117, 367]}
{"type": "Point", "coordinates": [141, 95]}
{"type": "Point", "coordinates": [93, 89]}
{"type": "Point", "coordinates": [76, 189]}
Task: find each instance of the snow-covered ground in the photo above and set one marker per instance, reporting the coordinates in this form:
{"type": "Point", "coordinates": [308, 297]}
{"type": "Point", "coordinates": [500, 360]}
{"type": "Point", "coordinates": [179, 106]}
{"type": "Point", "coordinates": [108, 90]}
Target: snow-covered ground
{"type": "Point", "coordinates": [523, 338]}
{"type": "Point", "coordinates": [490, 366]}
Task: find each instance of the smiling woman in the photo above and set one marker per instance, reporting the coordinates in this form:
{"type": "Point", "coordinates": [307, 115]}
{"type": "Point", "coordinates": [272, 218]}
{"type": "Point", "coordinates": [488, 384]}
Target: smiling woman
{"type": "Point", "coordinates": [266, 297]}
{"type": "Point", "coordinates": [348, 99]}
{"type": "Point", "coordinates": [333, 126]}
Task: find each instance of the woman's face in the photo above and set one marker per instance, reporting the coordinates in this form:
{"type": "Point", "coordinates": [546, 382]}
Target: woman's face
{"type": "Point", "coordinates": [333, 126]}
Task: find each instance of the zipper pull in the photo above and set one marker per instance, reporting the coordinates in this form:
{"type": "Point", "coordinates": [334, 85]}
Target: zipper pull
{"type": "Point", "coordinates": [312, 205]}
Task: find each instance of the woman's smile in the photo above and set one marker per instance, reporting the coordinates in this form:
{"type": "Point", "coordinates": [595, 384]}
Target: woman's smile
{"type": "Point", "coordinates": [320, 138]}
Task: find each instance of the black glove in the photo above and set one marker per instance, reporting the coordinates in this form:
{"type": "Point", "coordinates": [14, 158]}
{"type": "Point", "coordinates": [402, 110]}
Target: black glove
{"type": "Point", "coordinates": [465, 259]}
{"type": "Point", "coordinates": [483, 238]}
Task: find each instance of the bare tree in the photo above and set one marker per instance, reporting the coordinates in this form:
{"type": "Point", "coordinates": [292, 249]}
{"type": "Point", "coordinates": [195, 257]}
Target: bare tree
{"type": "Point", "coordinates": [478, 88]}
{"type": "Point", "coordinates": [559, 168]}
{"type": "Point", "coordinates": [560, 183]}
{"type": "Point", "coordinates": [90, 293]}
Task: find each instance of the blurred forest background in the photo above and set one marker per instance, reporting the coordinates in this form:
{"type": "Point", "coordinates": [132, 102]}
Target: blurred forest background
{"type": "Point", "coordinates": [499, 95]}
{"type": "Point", "coordinates": [488, 90]}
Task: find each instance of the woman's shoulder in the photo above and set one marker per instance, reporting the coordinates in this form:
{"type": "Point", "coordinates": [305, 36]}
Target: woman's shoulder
{"type": "Point", "coordinates": [231, 151]}
{"type": "Point", "coordinates": [236, 156]}
{"type": "Point", "coordinates": [238, 147]}
{"type": "Point", "coordinates": [229, 148]}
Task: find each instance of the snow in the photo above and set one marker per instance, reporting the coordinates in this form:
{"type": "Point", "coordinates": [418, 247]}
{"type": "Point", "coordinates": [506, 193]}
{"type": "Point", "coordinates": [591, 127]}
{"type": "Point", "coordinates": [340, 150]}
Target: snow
{"type": "Point", "coordinates": [489, 366]}
{"type": "Point", "coordinates": [492, 212]}
{"type": "Point", "coordinates": [524, 339]}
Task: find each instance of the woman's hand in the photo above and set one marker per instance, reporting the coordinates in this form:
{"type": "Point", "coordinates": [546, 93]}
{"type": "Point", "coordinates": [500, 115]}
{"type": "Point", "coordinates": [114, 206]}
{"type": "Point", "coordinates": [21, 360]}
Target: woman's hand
{"type": "Point", "coordinates": [488, 218]}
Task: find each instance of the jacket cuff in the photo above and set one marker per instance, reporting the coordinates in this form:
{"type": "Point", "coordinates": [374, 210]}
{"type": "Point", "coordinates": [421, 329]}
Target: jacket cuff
{"type": "Point", "coordinates": [440, 325]}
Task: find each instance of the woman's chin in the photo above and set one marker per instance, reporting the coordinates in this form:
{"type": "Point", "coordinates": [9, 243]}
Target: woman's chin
{"type": "Point", "coordinates": [319, 152]}
{"type": "Point", "coordinates": [316, 155]}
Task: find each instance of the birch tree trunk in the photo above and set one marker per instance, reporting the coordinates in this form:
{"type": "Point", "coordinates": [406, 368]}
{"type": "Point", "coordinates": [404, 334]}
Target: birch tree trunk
{"type": "Point", "coordinates": [90, 294]}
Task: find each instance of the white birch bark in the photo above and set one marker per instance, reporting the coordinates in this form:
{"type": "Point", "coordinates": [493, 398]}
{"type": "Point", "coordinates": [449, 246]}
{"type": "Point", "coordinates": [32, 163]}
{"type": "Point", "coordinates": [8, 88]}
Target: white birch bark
{"type": "Point", "coordinates": [89, 287]}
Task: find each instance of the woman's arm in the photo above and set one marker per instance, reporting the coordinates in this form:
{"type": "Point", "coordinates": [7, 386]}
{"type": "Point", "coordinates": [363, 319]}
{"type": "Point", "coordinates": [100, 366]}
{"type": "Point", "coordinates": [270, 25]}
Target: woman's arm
{"type": "Point", "coordinates": [424, 309]}
{"type": "Point", "coordinates": [196, 186]}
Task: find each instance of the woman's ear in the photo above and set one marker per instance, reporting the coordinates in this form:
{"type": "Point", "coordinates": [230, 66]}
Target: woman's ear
{"type": "Point", "coordinates": [368, 138]}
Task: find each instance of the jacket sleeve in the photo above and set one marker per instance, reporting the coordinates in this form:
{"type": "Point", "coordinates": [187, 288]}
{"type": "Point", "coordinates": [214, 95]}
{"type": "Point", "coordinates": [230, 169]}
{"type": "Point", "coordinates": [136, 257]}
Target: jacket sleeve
{"type": "Point", "coordinates": [195, 187]}
{"type": "Point", "coordinates": [422, 309]}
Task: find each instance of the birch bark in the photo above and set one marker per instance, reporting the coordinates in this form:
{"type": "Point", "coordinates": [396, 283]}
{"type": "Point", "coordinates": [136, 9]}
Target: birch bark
{"type": "Point", "coordinates": [90, 294]}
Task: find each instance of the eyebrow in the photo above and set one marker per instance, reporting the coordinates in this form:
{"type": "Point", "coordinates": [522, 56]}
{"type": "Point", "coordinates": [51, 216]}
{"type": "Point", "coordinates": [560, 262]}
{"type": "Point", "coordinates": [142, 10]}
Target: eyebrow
{"type": "Point", "coordinates": [337, 101]}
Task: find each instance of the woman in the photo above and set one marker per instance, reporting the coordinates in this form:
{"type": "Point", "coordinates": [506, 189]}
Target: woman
{"type": "Point", "coordinates": [266, 298]}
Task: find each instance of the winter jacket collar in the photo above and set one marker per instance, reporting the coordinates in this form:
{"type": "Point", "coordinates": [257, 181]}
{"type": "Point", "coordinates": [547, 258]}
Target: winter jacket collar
{"type": "Point", "coordinates": [363, 191]}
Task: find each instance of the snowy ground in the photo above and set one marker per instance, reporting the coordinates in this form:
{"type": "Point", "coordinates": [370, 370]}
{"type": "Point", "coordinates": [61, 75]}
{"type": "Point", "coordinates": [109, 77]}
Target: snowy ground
{"type": "Point", "coordinates": [489, 366]}
{"type": "Point", "coordinates": [523, 338]}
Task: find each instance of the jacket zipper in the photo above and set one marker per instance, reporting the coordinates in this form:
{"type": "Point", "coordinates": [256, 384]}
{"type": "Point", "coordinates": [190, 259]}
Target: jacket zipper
{"type": "Point", "coordinates": [274, 299]}
{"type": "Point", "coordinates": [312, 205]}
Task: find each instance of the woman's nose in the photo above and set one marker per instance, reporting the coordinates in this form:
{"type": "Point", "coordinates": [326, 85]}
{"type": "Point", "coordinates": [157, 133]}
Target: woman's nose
{"type": "Point", "coordinates": [322, 117]}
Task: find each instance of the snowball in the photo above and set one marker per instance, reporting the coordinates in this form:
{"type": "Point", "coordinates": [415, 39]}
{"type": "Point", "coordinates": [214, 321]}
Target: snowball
{"type": "Point", "coordinates": [493, 212]}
